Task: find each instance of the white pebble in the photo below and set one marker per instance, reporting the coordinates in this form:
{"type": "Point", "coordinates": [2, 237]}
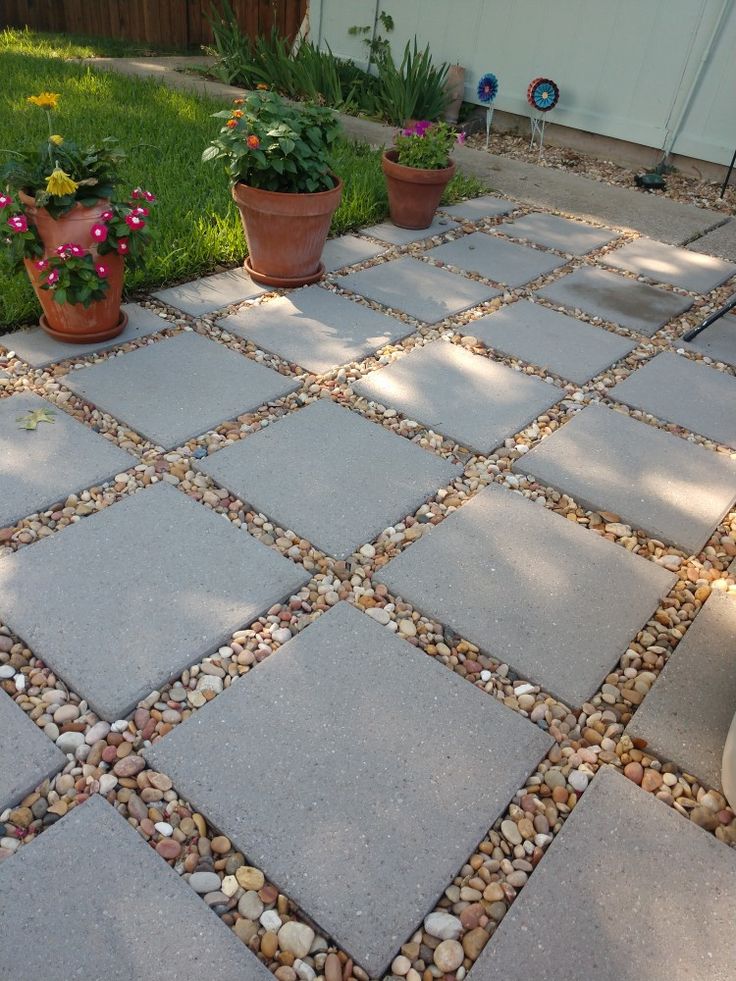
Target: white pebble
{"type": "Point", "coordinates": [271, 920]}
{"type": "Point", "coordinates": [443, 926]}
{"type": "Point", "coordinates": [119, 726]}
{"type": "Point", "coordinates": [20, 682]}
{"type": "Point", "coordinates": [368, 551]}
{"type": "Point", "coordinates": [485, 676]}
{"type": "Point", "coordinates": [164, 828]}
{"type": "Point", "coordinates": [578, 780]}
{"type": "Point", "coordinates": [523, 689]}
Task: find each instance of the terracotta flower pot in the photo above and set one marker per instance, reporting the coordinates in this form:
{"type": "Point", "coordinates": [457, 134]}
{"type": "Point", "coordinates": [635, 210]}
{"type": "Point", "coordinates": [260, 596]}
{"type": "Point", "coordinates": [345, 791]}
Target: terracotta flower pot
{"type": "Point", "coordinates": [286, 233]}
{"type": "Point", "coordinates": [72, 322]}
{"type": "Point", "coordinates": [413, 192]}
{"type": "Point", "coordinates": [455, 89]}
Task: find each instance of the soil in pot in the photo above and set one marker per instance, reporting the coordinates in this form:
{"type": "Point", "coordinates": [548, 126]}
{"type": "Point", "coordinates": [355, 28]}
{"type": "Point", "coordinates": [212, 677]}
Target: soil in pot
{"type": "Point", "coordinates": [414, 194]}
{"type": "Point", "coordinates": [286, 233]}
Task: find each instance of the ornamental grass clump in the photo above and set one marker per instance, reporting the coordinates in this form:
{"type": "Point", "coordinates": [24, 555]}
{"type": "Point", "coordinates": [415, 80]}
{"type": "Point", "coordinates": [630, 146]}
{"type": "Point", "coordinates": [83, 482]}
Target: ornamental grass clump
{"type": "Point", "coordinates": [427, 145]}
{"type": "Point", "coordinates": [269, 144]}
{"type": "Point", "coordinates": [55, 178]}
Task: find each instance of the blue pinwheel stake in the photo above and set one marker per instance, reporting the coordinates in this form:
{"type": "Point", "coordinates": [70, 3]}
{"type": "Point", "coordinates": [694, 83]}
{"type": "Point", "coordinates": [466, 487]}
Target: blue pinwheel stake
{"type": "Point", "coordinates": [542, 95]}
{"type": "Point", "coordinates": [487, 92]}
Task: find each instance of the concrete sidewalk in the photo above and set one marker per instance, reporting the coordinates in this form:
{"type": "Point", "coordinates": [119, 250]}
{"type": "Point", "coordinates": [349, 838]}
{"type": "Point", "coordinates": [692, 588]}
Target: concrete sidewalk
{"type": "Point", "coordinates": [656, 217]}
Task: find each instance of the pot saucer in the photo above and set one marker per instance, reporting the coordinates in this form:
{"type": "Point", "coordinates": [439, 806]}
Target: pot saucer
{"type": "Point", "coordinates": [90, 338]}
{"type": "Point", "coordinates": [283, 282]}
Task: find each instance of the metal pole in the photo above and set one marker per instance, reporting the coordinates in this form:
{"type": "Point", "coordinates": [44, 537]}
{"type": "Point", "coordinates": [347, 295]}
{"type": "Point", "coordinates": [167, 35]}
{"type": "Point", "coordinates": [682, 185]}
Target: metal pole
{"type": "Point", "coordinates": [728, 175]}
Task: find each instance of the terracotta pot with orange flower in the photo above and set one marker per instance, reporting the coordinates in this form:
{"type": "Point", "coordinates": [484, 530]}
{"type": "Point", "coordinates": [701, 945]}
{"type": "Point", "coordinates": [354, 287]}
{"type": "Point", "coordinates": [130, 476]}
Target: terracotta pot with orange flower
{"type": "Point", "coordinates": [61, 218]}
{"type": "Point", "coordinates": [278, 160]}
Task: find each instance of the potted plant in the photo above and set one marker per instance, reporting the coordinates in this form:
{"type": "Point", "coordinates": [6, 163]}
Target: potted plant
{"type": "Point", "coordinates": [278, 160]}
{"type": "Point", "coordinates": [417, 169]}
{"type": "Point", "coordinates": [61, 218]}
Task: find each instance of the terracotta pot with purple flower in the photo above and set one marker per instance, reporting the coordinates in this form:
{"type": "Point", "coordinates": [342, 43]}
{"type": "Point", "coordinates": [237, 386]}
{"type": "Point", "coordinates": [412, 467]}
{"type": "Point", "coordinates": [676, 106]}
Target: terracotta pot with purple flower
{"type": "Point", "coordinates": [62, 219]}
{"type": "Point", "coordinates": [417, 170]}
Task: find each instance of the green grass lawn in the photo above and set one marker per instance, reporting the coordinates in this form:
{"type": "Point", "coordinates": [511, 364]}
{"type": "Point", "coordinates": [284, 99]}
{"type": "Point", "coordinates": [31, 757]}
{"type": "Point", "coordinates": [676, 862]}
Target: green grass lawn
{"type": "Point", "coordinates": [196, 226]}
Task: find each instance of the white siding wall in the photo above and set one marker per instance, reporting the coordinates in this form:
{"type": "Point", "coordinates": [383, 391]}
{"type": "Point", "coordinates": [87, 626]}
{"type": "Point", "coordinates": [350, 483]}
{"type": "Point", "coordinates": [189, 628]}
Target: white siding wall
{"type": "Point", "coordinates": [626, 68]}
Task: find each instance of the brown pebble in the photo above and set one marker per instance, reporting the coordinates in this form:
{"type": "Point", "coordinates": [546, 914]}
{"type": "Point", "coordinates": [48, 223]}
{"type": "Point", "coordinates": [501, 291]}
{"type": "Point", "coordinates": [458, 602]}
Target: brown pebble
{"type": "Point", "coordinates": [333, 968]}
{"type": "Point", "coordinates": [168, 848]}
{"type": "Point", "coordinates": [220, 845]}
{"type": "Point", "coordinates": [651, 781]}
{"type": "Point", "coordinates": [634, 771]}
{"type": "Point", "coordinates": [245, 929]}
{"type": "Point", "coordinates": [129, 766]}
{"type": "Point", "coordinates": [269, 944]}
{"type": "Point", "coordinates": [249, 878]}
{"type": "Point", "coordinates": [268, 894]}
{"type": "Point", "coordinates": [474, 941]}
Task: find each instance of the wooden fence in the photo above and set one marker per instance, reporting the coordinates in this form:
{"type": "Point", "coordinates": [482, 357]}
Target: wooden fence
{"type": "Point", "coordinates": [174, 23]}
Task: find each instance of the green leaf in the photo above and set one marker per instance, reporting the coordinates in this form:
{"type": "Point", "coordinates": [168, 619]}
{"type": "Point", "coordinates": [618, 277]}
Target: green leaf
{"type": "Point", "coordinates": [31, 419]}
{"type": "Point", "coordinates": [210, 153]}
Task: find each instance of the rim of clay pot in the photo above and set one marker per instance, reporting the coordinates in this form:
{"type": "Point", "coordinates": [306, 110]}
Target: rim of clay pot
{"type": "Point", "coordinates": [283, 282]}
{"type": "Point", "coordinates": [424, 175]}
{"type": "Point", "coordinates": [279, 201]}
{"type": "Point", "coordinates": [104, 335]}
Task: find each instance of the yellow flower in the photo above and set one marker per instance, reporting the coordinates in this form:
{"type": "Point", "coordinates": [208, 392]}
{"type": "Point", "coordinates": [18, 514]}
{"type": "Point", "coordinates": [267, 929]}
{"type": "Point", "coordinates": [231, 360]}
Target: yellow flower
{"type": "Point", "coordinates": [56, 139]}
{"type": "Point", "coordinates": [45, 100]}
{"type": "Point", "coordinates": [60, 184]}
{"type": "Point", "coordinates": [262, 87]}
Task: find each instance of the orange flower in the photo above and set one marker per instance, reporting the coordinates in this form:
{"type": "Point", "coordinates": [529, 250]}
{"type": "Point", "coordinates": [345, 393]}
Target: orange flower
{"type": "Point", "coordinates": [231, 123]}
{"type": "Point", "coordinates": [253, 141]}
{"type": "Point", "coordinates": [262, 86]}
{"type": "Point", "coordinates": [237, 113]}
{"type": "Point", "coordinates": [238, 102]}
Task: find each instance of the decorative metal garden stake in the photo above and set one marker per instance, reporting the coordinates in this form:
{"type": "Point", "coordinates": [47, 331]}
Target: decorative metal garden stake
{"type": "Point", "coordinates": [487, 92]}
{"type": "Point", "coordinates": [542, 95]}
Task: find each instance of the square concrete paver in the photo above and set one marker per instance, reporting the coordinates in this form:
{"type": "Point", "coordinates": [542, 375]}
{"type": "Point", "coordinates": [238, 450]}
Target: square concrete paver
{"type": "Point", "coordinates": [717, 341]}
{"type": "Point", "coordinates": [478, 208]}
{"type": "Point", "coordinates": [424, 292]}
{"type": "Point", "coordinates": [202, 296]}
{"type": "Point", "coordinates": [691, 271]}
{"type": "Point", "coordinates": [553, 600]}
{"type": "Point", "coordinates": [178, 388]}
{"type": "Point", "coordinates": [496, 259]}
{"type": "Point", "coordinates": [316, 328]}
{"type": "Point", "coordinates": [161, 583]}
{"type": "Point", "coordinates": [464, 396]}
{"type": "Point", "coordinates": [617, 299]}
{"type": "Point", "coordinates": [571, 237]}
{"type": "Point", "coordinates": [675, 491]}
{"type": "Point", "coordinates": [28, 755]}
{"type": "Point", "coordinates": [37, 349]}
{"type": "Point", "coordinates": [329, 475]}
{"type": "Point", "coordinates": [347, 250]}
{"type": "Point", "coordinates": [570, 348]}
{"type": "Point", "coordinates": [100, 903]}
{"type": "Point", "coordinates": [686, 716]}
{"type": "Point", "coordinates": [42, 466]}
{"type": "Point", "coordinates": [393, 235]}
{"type": "Point", "coordinates": [688, 393]}
{"type": "Point", "coordinates": [676, 886]}
{"type": "Point", "coordinates": [384, 787]}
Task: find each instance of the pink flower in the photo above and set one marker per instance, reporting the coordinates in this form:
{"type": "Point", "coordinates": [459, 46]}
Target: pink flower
{"type": "Point", "coordinates": [76, 250]}
{"type": "Point", "coordinates": [149, 197]}
{"type": "Point", "coordinates": [52, 277]}
{"type": "Point", "coordinates": [123, 246]}
{"type": "Point", "coordinates": [107, 216]}
{"type": "Point", "coordinates": [99, 232]}
{"type": "Point", "coordinates": [136, 193]}
{"type": "Point", "coordinates": [461, 138]}
{"type": "Point", "coordinates": [41, 264]}
{"type": "Point", "coordinates": [141, 211]}
{"type": "Point", "coordinates": [134, 221]}
{"type": "Point", "coordinates": [18, 223]}
{"type": "Point", "coordinates": [62, 251]}
{"type": "Point", "coordinates": [5, 200]}
{"type": "Point", "coordinates": [102, 269]}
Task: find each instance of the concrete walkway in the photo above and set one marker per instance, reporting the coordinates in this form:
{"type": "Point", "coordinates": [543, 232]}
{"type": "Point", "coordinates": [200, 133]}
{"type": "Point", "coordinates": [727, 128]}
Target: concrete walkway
{"type": "Point", "coordinates": [556, 190]}
{"type": "Point", "coordinates": [329, 619]}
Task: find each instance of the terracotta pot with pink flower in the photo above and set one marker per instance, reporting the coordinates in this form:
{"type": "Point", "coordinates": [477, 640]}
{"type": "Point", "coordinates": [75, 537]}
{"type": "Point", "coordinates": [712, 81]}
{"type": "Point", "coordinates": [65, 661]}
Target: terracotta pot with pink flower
{"type": "Point", "coordinates": [62, 218]}
{"type": "Point", "coordinates": [417, 170]}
